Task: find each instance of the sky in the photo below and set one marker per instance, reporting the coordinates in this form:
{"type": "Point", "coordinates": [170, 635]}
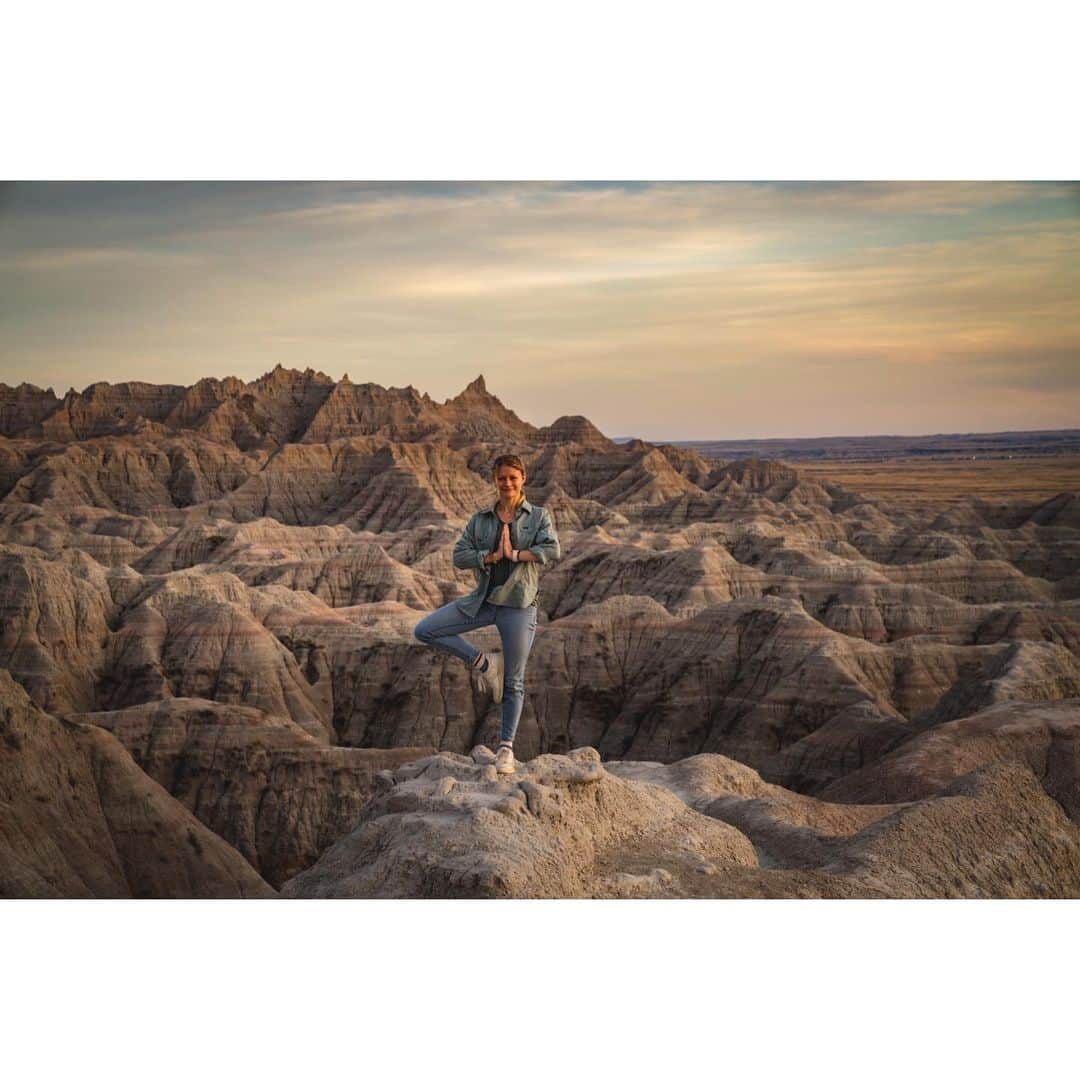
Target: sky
{"type": "Point", "coordinates": [667, 311]}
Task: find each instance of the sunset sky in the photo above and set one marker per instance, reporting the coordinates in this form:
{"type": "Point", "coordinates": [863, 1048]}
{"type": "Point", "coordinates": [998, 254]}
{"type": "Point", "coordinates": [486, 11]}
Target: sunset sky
{"type": "Point", "coordinates": [667, 311]}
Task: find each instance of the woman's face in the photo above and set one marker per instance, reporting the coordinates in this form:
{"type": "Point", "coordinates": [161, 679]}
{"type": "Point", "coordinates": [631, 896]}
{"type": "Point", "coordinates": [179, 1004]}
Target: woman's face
{"type": "Point", "coordinates": [509, 481]}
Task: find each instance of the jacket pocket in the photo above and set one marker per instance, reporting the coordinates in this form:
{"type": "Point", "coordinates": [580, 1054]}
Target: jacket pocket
{"type": "Point", "coordinates": [525, 533]}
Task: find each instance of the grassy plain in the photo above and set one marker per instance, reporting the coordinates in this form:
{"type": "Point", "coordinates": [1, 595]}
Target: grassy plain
{"type": "Point", "coordinates": [946, 482]}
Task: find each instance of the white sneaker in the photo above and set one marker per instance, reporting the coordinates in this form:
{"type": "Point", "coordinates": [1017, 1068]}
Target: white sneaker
{"type": "Point", "coordinates": [504, 760]}
{"type": "Point", "coordinates": [490, 681]}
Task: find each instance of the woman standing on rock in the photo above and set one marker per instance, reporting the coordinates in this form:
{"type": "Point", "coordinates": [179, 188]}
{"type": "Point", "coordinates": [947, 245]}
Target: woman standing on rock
{"type": "Point", "coordinates": [505, 545]}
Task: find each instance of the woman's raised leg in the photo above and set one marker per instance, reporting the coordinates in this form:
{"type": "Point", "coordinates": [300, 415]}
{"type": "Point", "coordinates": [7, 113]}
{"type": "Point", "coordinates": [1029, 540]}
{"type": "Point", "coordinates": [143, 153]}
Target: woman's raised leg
{"type": "Point", "coordinates": [443, 626]}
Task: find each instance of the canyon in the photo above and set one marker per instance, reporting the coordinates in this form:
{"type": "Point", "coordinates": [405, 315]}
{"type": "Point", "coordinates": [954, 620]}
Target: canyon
{"type": "Point", "coordinates": [748, 679]}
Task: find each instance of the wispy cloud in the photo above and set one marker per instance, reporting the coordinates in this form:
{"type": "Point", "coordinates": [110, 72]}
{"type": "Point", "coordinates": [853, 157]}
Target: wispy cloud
{"type": "Point", "coordinates": [58, 260]}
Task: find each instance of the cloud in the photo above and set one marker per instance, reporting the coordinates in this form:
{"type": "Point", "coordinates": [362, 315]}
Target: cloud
{"type": "Point", "coordinates": [780, 285]}
{"type": "Point", "coordinates": [52, 260]}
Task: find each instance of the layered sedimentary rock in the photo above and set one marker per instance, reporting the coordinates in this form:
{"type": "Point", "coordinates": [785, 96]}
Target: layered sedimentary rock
{"type": "Point", "coordinates": [370, 409]}
{"type": "Point", "coordinates": [24, 406]}
{"type": "Point", "coordinates": [107, 409]}
{"type": "Point", "coordinates": [759, 680]}
{"type": "Point", "coordinates": [1045, 736]}
{"type": "Point", "coordinates": [134, 478]}
{"type": "Point", "coordinates": [78, 818]}
{"type": "Point", "coordinates": [289, 400]}
{"type": "Point", "coordinates": [566, 825]}
{"type": "Point", "coordinates": [683, 580]}
{"type": "Point", "coordinates": [260, 782]}
{"type": "Point", "coordinates": [267, 413]}
{"type": "Point", "coordinates": [112, 539]}
{"type": "Point", "coordinates": [573, 430]}
{"type": "Point", "coordinates": [266, 548]}
{"type": "Point", "coordinates": [204, 636]}
{"type": "Point", "coordinates": [341, 567]}
{"type": "Point", "coordinates": [560, 827]}
{"type": "Point", "coordinates": [476, 416]}
{"type": "Point", "coordinates": [935, 846]}
{"type": "Point", "coordinates": [54, 625]}
{"type": "Point", "coordinates": [363, 483]}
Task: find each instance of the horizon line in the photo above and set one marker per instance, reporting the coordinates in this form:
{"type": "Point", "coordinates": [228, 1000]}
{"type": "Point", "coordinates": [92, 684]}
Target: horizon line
{"type": "Point", "coordinates": [868, 435]}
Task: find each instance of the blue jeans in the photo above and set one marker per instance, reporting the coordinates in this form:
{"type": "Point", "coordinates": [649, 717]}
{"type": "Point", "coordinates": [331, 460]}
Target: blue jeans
{"type": "Point", "coordinates": [517, 628]}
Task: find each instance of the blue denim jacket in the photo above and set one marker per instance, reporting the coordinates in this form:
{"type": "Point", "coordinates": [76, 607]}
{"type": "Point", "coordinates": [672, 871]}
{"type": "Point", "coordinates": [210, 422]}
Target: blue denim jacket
{"type": "Point", "coordinates": [532, 529]}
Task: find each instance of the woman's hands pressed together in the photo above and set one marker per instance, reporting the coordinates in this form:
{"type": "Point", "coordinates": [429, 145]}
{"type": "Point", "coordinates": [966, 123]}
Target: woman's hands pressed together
{"type": "Point", "coordinates": [506, 550]}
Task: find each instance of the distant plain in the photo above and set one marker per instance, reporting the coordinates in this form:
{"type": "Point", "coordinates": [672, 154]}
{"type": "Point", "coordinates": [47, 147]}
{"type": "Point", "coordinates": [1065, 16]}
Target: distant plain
{"type": "Point", "coordinates": [948, 482]}
{"type": "Point", "coordinates": [931, 470]}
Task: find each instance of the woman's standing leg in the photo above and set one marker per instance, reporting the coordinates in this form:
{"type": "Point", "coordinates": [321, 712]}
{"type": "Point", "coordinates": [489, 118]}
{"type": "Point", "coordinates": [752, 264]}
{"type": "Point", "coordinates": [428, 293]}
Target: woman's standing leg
{"type": "Point", "coordinates": [517, 628]}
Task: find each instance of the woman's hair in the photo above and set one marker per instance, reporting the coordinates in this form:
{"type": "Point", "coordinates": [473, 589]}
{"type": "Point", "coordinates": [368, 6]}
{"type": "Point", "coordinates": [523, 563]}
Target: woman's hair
{"type": "Point", "coordinates": [514, 462]}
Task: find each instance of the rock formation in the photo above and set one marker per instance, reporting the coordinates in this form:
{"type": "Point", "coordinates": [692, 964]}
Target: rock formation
{"type": "Point", "coordinates": [24, 406]}
{"type": "Point", "coordinates": [277, 795]}
{"type": "Point", "coordinates": [1043, 735]}
{"type": "Point", "coordinates": [566, 826]}
{"type": "Point", "coordinates": [78, 818]}
{"type": "Point", "coordinates": [227, 576]}
{"type": "Point", "coordinates": [561, 827]}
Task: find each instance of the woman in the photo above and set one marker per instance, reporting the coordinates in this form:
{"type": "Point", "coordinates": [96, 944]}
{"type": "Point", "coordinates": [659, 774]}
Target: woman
{"type": "Point", "coordinates": [504, 545]}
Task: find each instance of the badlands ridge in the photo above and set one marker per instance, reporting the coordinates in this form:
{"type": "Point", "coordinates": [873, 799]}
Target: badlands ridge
{"type": "Point", "coordinates": [745, 682]}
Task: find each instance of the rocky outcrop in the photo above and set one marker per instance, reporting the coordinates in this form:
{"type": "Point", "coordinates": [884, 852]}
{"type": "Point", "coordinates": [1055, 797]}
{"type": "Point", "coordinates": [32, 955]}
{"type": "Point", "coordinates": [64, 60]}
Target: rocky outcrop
{"type": "Point", "coordinates": [204, 636]}
{"type": "Point", "coordinates": [566, 825]}
{"type": "Point", "coordinates": [369, 409]}
{"type": "Point", "coordinates": [972, 581]}
{"type": "Point", "coordinates": [339, 566]}
{"type": "Point", "coordinates": [363, 575]}
{"type": "Point", "coordinates": [78, 818]}
{"type": "Point", "coordinates": [477, 416]}
{"type": "Point", "coordinates": [683, 580]}
{"type": "Point", "coordinates": [935, 847]}
{"type": "Point", "coordinates": [448, 826]}
{"type": "Point", "coordinates": [262, 784]}
{"type": "Point", "coordinates": [228, 411]}
{"type": "Point", "coordinates": [111, 409]}
{"type": "Point", "coordinates": [367, 484]}
{"type": "Point", "coordinates": [200, 400]}
{"type": "Point", "coordinates": [578, 515]}
{"type": "Point", "coordinates": [1043, 735]}
{"type": "Point", "coordinates": [1062, 511]}
{"type": "Point", "coordinates": [23, 407]}
{"type": "Point", "coordinates": [699, 470]}
{"type": "Point", "coordinates": [576, 430]}
{"type": "Point", "coordinates": [289, 400]}
{"type": "Point", "coordinates": [54, 626]}
{"type": "Point", "coordinates": [134, 478]}
{"type": "Point", "coordinates": [110, 539]}
{"type": "Point", "coordinates": [1014, 671]}
{"type": "Point", "coordinates": [627, 478]}
{"type": "Point", "coordinates": [938, 847]}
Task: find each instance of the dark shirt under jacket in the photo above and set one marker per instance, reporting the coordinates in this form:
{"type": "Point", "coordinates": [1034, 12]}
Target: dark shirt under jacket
{"type": "Point", "coordinates": [501, 570]}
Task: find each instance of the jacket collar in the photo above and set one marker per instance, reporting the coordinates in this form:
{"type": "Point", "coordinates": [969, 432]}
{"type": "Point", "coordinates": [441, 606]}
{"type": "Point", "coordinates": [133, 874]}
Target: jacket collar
{"type": "Point", "coordinates": [525, 505]}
